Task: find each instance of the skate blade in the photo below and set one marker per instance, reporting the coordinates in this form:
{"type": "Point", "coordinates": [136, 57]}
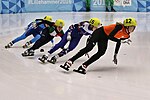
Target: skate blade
{"type": "Point", "coordinates": [75, 70]}
{"type": "Point", "coordinates": [66, 69]}
{"type": "Point", "coordinates": [51, 62]}
{"type": "Point", "coordinates": [6, 47]}
{"type": "Point", "coordinates": [24, 47]}
{"type": "Point", "coordinates": [23, 55]}
{"type": "Point", "coordinates": [40, 60]}
{"type": "Point", "coordinates": [27, 55]}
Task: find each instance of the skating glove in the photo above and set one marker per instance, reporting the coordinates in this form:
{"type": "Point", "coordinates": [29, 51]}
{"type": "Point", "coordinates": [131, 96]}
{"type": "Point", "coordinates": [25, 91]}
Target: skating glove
{"type": "Point", "coordinates": [75, 26]}
{"type": "Point", "coordinates": [69, 36]}
{"type": "Point", "coordinates": [115, 59]}
{"type": "Point", "coordinates": [128, 41]}
{"type": "Point", "coordinates": [34, 25]}
{"type": "Point", "coordinates": [87, 41]}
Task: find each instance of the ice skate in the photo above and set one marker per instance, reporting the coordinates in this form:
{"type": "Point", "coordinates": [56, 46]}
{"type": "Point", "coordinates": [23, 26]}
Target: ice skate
{"type": "Point", "coordinates": [26, 45]}
{"type": "Point", "coordinates": [67, 65]}
{"type": "Point", "coordinates": [43, 59]}
{"type": "Point", "coordinates": [9, 45]}
{"type": "Point", "coordinates": [81, 70]}
{"type": "Point", "coordinates": [28, 53]}
{"type": "Point", "coordinates": [52, 60]}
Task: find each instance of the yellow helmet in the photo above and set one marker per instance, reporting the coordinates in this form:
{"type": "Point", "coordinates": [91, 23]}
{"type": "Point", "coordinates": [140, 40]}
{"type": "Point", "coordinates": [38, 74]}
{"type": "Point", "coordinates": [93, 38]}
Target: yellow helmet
{"type": "Point", "coordinates": [130, 22]}
{"type": "Point", "coordinates": [95, 22]}
{"type": "Point", "coordinates": [48, 18]}
{"type": "Point", "coordinates": [59, 22]}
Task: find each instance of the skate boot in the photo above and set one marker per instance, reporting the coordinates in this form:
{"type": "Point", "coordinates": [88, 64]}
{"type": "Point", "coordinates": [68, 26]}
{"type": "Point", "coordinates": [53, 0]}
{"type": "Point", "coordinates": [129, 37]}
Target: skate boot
{"type": "Point", "coordinates": [26, 45]}
{"type": "Point", "coordinates": [43, 59]}
{"type": "Point", "coordinates": [28, 53]}
{"type": "Point", "coordinates": [9, 45]}
{"type": "Point", "coordinates": [52, 60]}
{"type": "Point", "coordinates": [67, 65]}
{"type": "Point", "coordinates": [81, 69]}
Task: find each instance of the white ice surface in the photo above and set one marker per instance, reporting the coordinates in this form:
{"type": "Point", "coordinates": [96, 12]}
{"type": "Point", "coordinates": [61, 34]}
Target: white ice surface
{"type": "Point", "coordinates": [27, 79]}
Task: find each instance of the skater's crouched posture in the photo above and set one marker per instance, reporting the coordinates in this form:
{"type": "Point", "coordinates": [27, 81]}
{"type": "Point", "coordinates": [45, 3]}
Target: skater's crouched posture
{"type": "Point", "coordinates": [47, 35]}
{"type": "Point", "coordinates": [115, 32]}
{"type": "Point", "coordinates": [73, 35]}
{"type": "Point", "coordinates": [34, 28]}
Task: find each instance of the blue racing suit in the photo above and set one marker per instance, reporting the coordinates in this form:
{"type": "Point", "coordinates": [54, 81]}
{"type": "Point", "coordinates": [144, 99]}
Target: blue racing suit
{"type": "Point", "coordinates": [76, 32]}
{"type": "Point", "coordinates": [32, 29]}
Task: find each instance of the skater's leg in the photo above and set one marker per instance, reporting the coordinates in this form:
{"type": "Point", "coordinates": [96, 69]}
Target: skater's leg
{"type": "Point", "coordinates": [35, 38]}
{"type": "Point", "coordinates": [31, 41]}
{"type": "Point", "coordinates": [92, 42]}
{"type": "Point", "coordinates": [42, 41]}
{"type": "Point", "coordinates": [73, 43]}
{"type": "Point", "coordinates": [23, 36]}
{"type": "Point", "coordinates": [10, 44]}
{"type": "Point", "coordinates": [61, 44]}
{"type": "Point", "coordinates": [45, 38]}
{"type": "Point", "coordinates": [102, 46]}
{"type": "Point", "coordinates": [30, 52]}
{"type": "Point", "coordinates": [83, 51]}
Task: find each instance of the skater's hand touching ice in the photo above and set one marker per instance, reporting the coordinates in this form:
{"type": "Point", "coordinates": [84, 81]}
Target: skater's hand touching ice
{"type": "Point", "coordinates": [128, 41]}
{"type": "Point", "coordinates": [115, 59]}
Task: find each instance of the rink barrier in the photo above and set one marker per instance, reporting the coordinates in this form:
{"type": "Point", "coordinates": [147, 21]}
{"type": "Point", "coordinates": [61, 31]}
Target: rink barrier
{"type": "Point", "coordinates": [25, 6]}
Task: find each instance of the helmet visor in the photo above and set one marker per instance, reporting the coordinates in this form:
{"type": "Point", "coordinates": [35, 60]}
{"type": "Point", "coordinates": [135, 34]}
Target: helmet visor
{"type": "Point", "coordinates": [131, 29]}
{"type": "Point", "coordinates": [59, 28]}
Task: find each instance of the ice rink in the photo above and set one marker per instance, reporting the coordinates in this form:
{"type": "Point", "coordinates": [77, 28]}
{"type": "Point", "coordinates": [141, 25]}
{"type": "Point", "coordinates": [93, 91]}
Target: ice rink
{"type": "Point", "coordinates": [27, 79]}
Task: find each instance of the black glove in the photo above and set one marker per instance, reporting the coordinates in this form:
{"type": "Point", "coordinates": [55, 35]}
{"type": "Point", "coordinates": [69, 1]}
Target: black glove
{"type": "Point", "coordinates": [128, 41]}
{"type": "Point", "coordinates": [115, 59]}
{"type": "Point", "coordinates": [34, 25]}
{"type": "Point", "coordinates": [87, 41]}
